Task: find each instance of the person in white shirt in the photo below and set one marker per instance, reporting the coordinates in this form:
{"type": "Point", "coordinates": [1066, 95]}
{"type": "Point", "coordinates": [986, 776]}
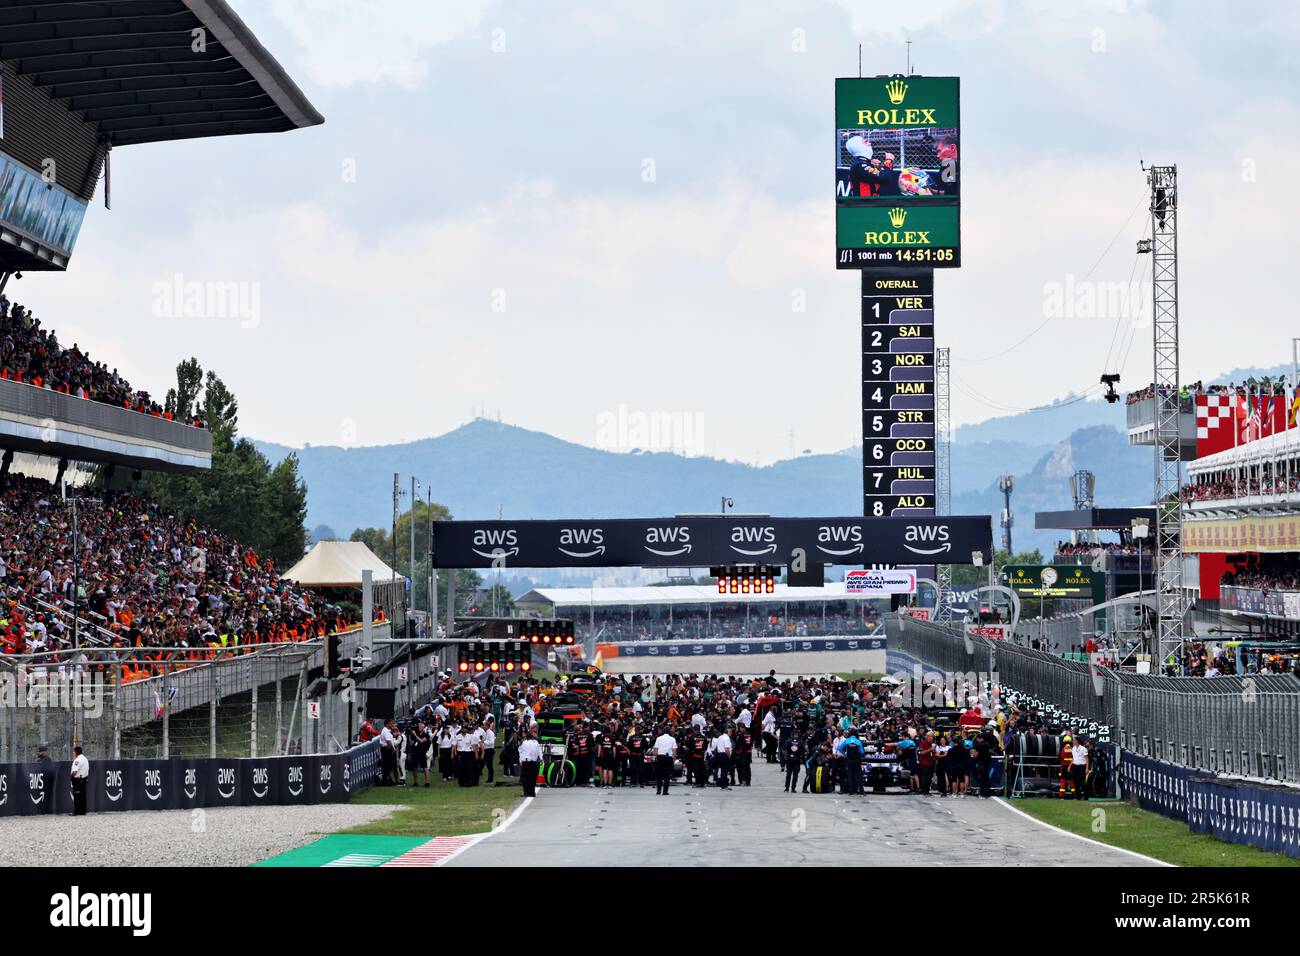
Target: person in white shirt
{"type": "Point", "coordinates": [489, 749]}
{"type": "Point", "coordinates": [745, 719]}
{"type": "Point", "coordinates": [1079, 768]}
{"type": "Point", "coordinates": [469, 747]}
{"type": "Point", "coordinates": [720, 747]}
{"type": "Point", "coordinates": [388, 754]}
{"type": "Point", "coordinates": [530, 759]}
{"type": "Point", "coordinates": [447, 751]}
{"type": "Point", "coordinates": [697, 720]}
{"type": "Point", "coordinates": [665, 749]}
{"type": "Point", "coordinates": [80, 777]}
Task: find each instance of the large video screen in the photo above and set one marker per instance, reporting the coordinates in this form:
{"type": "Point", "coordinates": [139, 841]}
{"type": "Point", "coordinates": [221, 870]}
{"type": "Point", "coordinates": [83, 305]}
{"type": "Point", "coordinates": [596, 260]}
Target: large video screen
{"type": "Point", "coordinates": [897, 171]}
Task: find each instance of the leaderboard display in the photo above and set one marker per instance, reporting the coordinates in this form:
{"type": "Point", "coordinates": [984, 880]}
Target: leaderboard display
{"type": "Point", "coordinates": [898, 430]}
{"type": "Point", "coordinates": [897, 172]}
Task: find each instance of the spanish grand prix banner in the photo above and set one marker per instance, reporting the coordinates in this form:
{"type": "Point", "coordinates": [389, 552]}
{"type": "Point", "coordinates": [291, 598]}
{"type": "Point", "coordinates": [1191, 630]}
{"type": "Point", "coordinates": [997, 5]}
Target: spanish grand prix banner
{"type": "Point", "coordinates": [708, 540]}
{"type": "Point", "coordinates": [31, 789]}
{"type": "Point", "coordinates": [1226, 535]}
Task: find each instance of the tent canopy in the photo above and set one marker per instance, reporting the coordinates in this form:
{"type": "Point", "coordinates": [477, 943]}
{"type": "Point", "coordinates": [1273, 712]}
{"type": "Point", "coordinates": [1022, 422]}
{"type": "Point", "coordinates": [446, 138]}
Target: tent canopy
{"type": "Point", "coordinates": [338, 564]}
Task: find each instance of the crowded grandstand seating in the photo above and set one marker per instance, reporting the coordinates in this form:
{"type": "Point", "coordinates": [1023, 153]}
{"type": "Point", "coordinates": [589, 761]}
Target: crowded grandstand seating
{"type": "Point", "coordinates": [33, 355]}
{"type": "Point", "coordinates": [1188, 392]}
{"type": "Point", "coordinates": [147, 579]}
{"type": "Point", "coordinates": [1066, 549]}
{"type": "Point", "coordinates": [1276, 572]}
{"type": "Point", "coordinates": [726, 622]}
{"type": "Point", "coordinates": [1241, 488]}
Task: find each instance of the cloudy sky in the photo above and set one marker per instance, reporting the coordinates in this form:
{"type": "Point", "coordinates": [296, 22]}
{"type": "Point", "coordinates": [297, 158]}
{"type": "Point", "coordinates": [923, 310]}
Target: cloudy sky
{"type": "Point", "coordinates": [557, 210]}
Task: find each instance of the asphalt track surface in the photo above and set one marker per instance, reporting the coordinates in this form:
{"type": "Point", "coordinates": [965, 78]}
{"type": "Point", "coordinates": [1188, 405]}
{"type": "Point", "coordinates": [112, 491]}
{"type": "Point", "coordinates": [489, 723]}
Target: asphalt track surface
{"type": "Point", "coordinates": [761, 825]}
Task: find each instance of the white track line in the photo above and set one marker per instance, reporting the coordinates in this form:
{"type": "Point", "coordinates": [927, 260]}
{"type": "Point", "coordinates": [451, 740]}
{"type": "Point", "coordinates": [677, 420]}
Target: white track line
{"type": "Point", "coordinates": [478, 837]}
{"type": "Point", "coordinates": [1076, 836]}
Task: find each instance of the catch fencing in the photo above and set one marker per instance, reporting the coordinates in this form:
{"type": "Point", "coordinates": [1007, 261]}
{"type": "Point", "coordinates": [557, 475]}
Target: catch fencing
{"type": "Point", "coordinates": [253, 704]}
{"type": "Point", "coordinates": [1246, 725]}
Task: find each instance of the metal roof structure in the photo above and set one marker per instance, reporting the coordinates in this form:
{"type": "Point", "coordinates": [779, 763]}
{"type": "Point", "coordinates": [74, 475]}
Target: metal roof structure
{"type": "Point", "coordinates": [1092, 519]}
{"type": "Point", "coordinates": [696, 594]}
{"type": "Point", "coordinates": [147, 71]}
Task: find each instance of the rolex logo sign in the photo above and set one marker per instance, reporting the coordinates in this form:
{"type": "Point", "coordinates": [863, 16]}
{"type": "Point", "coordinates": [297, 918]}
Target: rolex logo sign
{"type": "Point", "coordinates": [897, 236]}
{"type": "Point", "coordinates": [896, 90]}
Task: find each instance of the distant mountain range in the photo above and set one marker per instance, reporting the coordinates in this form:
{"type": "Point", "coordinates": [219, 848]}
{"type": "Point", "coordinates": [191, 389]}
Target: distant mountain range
{"type": "Point", "coordinates": [485, 465]}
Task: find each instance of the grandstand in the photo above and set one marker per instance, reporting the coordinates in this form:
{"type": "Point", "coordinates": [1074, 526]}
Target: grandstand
{"type": "Point", "coordinates": [1241, 530]}
{"type": "Point", "coordinates": [699, 612]}
{"type": "Point", "coordinates": [103, 583]}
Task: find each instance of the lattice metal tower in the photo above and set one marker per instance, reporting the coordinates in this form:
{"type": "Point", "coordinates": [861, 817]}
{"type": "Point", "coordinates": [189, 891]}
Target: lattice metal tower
{"type": "Point", "coordinates": [1163, 247]}
{"type": "Point", "coordinates": [943, 469]}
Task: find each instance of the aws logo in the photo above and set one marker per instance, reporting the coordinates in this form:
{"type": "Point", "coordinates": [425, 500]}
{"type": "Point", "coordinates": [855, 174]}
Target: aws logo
{"type": "Point", "coordinates": [591, 539]}
{"type": "Point", "coordinates": [261, 782]}
{"type": "Point", "coordinates": [294, 780]}
{"type": "Point", "coordinates": [935, 536]}
{"type": "Point", "coordinates": [4, 789]}
{"type": "Point", "coordinates": [191, 785]}
{"type": "Point", "coordinates": [502, 541]}
{"type": "Point", "coordinates": [326, 781]}
{"type": "Point", "coordinates": [226, 783]}
{"type": "Point", "coordinates": [758, 541]}
{"type": "Point", "coordinates": [675, 535]}
{"type": "Point", "coordinates": [846, 538]}
{"type": "Point", "coordinates": [153, 784]}
{"type": "Point", "coordinates": [113, 788]}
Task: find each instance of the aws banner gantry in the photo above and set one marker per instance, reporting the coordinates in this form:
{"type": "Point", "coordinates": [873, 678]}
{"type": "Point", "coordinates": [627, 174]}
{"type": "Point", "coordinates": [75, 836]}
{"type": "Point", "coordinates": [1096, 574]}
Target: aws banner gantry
{"type": "Point", "coordinates": [692, 541]}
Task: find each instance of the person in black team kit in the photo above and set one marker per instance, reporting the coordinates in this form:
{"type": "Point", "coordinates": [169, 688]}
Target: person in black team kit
{"type": "Point", "coordinates": [638, 743]}
{"type": "Point", "coordinates": [742, 756]}
{"type": "Point", "coordinates": [583, 751]}
{"type": "Point", "coordinates": [793, 753]}
{"type": "Point", "coordinates": [697, 749]}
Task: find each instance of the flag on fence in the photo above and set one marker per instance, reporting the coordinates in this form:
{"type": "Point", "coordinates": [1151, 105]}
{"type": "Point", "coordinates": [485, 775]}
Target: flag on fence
{"type": "Point", "coordinates": [159, 707]}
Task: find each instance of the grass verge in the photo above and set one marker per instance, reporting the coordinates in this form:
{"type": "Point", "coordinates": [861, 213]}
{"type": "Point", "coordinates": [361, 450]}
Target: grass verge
{"type": "Point", "coordinates": [1132, 828]}
{"type": "Point", "coordinates": [444, 809]}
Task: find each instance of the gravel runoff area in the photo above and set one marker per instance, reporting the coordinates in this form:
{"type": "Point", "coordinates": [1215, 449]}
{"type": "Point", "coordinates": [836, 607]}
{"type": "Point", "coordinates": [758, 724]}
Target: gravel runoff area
{"type": "Point", "coordinates": [227, 836]}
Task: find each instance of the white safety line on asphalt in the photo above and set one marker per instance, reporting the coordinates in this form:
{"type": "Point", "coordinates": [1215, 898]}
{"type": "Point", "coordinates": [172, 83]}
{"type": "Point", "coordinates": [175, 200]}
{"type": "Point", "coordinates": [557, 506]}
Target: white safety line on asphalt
{"type": "Point", "coordinates": [1076, 836]}
{"type": "Point", "coordinates": [479, 837]}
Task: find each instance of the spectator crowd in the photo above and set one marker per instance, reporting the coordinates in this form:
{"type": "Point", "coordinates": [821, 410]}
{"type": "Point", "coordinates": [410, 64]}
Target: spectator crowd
{"type": "Point", "coordinates": [32, 354]}
{"type": "Point", "coordinates": [143, 578]}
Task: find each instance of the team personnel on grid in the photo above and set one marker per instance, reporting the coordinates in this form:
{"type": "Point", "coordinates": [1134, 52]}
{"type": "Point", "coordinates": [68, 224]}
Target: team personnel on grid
{"type": "Point", "coordinates": [720, 747]}
{"type": "Point", "coordinates": [665, 749]}
{"type": "Point", "coordinates": [530, 759]}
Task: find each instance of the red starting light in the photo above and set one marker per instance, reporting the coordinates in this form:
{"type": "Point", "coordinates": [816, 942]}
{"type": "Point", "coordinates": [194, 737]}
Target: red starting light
{"type": "Point", "coordinates": [478, 665]}
{"type": "Point", "coordinates": [510, 665]}
{"type": "Point", "coordinates": [525, 666]}
{"type": "Point", "coordinates": [495, 667]}
{"type": "Point", "coordinates": [568, 639]}
{"type": "Point", "coordinates": [734, 585]}
{"type": "Point", "coordinates": [722, 585]}
{"type": "Point", "coordinates": [464, 666]}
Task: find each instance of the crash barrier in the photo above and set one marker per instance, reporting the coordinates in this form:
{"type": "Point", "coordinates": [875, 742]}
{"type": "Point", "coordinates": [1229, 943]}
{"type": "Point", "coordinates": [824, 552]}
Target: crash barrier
{"type": "Point", "coordinates": [1245, 812]}
{"type": "Point", "coordinates": [243, 705]}
{"type": "Point", "coordinates": [29, 789]}
{"type": "Point", "coordinates": [1246, 725]}
{"type": "Point", "coordinates": [760, 646]}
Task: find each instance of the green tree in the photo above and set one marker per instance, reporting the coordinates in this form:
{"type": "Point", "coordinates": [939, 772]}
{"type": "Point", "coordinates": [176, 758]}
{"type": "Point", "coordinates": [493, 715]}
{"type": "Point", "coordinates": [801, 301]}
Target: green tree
{"type": "Point", "coordinates": [242, 495]}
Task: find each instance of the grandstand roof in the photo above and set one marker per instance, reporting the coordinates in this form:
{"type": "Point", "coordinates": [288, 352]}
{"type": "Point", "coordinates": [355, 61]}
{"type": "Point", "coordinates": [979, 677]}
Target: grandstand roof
{"type": "Point", "coordinates": [338, 564]}
{"type": "Point", "coordinates": [1095, 519]}
{"type": "Point", "coordinates": [685, 594]}
{"type": "Point", "coordinates": [129, 67]}
{"type": "Point", "coordinates": [1277, 445]}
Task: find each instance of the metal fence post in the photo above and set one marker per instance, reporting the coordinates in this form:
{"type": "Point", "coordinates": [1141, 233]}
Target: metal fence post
{"type": "Point", "coordinates": [167, 713]}
{"type": "Point", "coordinates": [212, 709]}
{"type": "Point", "coordinates": [252, 693]}
{"type": "Point", "coordinates": [279, 707]}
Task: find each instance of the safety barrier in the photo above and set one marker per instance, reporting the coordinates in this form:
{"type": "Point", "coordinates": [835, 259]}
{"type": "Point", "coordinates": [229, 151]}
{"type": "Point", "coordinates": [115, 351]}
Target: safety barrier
{"type": "Point", "coordinates": [1236, 811]}
{"type": "Point", "coordinates": [1240, 725]}
{"type": "Point", "coordinates": [29, 789]}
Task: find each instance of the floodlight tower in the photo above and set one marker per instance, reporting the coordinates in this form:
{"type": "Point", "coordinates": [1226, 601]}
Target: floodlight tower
{"type": "Point", "coordinates": [1171, 602]}
{"type": "Point", "coordinates": [1006, 484]}
{"type": "Point", "coordinates": [943, 470]}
